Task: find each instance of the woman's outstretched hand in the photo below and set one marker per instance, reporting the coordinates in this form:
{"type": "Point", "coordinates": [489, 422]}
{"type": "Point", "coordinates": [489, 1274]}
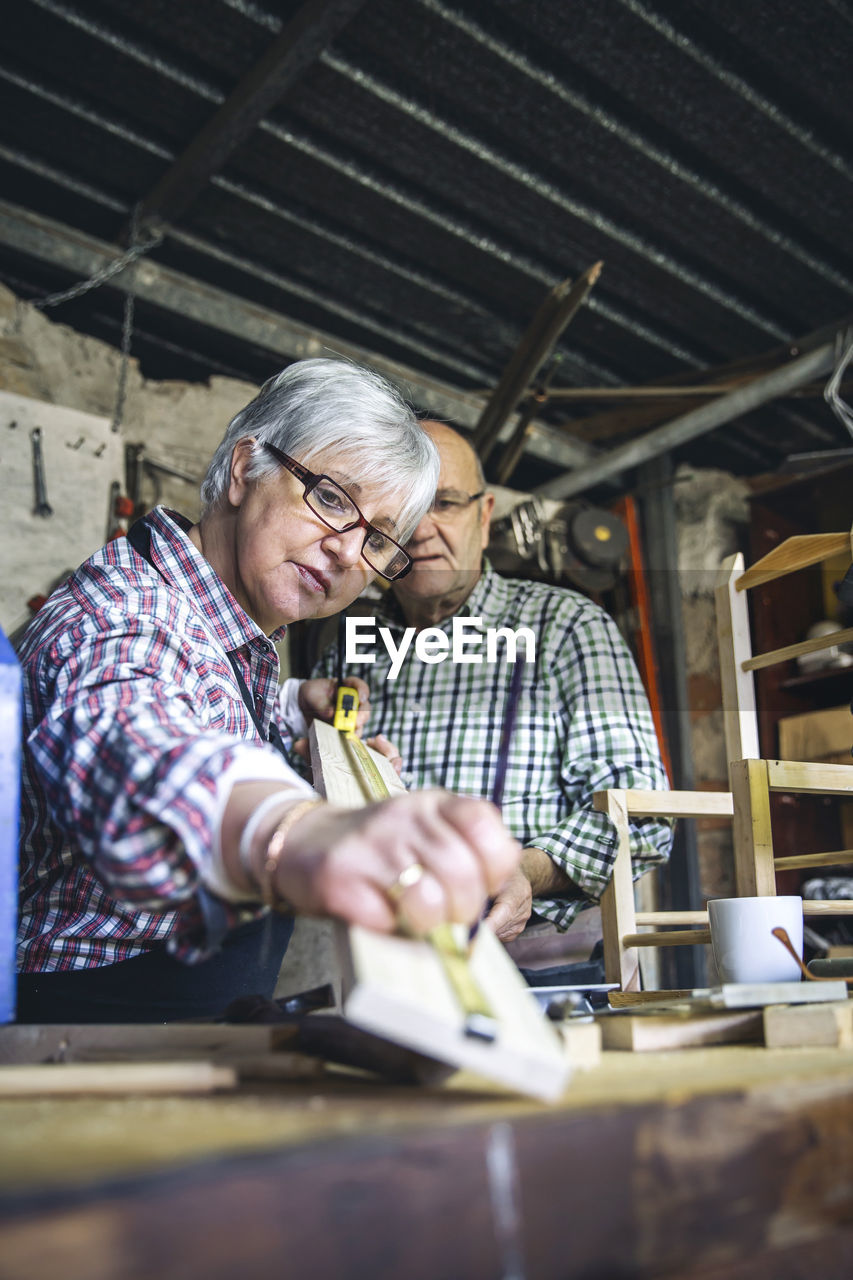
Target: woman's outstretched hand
{"type": "Point", "coordinates": [413, 861]}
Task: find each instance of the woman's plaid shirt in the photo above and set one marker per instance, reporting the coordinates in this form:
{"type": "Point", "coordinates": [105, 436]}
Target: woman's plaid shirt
{"type": "Point", "coordinates": [583, 725]}
{"type": "Point", "coordinates": [131, 716]}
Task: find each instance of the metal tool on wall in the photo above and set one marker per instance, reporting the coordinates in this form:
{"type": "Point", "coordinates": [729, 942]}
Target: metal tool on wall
{"type": "Point", "coordinates": [42, 506]}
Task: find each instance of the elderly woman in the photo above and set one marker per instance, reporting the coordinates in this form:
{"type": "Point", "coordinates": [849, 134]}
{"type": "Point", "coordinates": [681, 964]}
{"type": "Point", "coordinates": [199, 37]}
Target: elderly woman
{"type": "Point", "coordinates": [157, 811]}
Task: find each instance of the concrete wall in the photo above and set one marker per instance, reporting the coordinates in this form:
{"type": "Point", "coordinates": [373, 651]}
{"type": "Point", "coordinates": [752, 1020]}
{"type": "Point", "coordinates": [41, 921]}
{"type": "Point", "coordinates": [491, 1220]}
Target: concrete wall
{"type": "Point", "coordinates": [178, 422]}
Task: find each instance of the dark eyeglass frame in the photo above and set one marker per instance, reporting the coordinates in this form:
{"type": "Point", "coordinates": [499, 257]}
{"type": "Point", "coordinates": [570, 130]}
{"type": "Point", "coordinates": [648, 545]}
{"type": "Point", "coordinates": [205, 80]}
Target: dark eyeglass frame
{"type": "Point", "coordinates": [310, 479]}
{"type": "Point", "coordinates": [468, 498]}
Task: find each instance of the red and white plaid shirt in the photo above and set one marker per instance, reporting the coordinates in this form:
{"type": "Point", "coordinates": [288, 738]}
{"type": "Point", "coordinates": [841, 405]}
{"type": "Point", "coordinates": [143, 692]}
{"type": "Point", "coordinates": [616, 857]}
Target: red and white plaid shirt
{"type": "Point", "coordinates": [132, 715]}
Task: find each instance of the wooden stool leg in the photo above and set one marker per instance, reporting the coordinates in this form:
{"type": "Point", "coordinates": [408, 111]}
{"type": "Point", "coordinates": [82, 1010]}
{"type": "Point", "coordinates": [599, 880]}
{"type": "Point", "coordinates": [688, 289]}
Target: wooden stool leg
{"type": "Point", "coordinates": [755, 874]}
{"type": "Point", "coordinates": [618, 917]}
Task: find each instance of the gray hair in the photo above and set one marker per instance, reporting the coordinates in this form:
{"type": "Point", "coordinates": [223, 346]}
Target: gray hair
{"type": "Point", "coordinates": [317, 405]}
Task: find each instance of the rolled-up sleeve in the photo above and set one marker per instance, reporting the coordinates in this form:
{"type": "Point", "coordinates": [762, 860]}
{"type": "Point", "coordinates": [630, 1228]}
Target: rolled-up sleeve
{"type": "Point", "coordinates": [609, 741]}
{"type": "Point", "coordinates": [131, 768]}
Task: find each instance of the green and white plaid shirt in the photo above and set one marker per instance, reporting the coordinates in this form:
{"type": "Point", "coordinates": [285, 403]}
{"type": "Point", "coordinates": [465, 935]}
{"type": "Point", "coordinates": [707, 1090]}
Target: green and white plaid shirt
{"type": "Point", "coordinates": [582, 725]}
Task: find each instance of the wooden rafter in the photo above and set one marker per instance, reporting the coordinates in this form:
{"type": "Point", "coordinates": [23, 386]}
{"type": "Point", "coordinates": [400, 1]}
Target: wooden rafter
{"type": "Point", "coordinates": [290, 55]}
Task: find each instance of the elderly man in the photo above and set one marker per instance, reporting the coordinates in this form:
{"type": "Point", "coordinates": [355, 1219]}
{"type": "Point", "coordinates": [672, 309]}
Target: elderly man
{"type": "Point", "coordinates": [157, 814]}
{"type": "Point", "coordinates": [582, 721]}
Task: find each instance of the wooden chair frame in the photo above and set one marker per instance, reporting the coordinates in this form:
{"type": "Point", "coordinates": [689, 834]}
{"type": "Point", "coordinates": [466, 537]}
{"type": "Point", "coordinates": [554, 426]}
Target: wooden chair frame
{"type": "Point", "coordinates": [620, 921]}
{"type": "Point", "coordinates": [749, 806]}
{"type": "Point", "coordinates": [751, 779]}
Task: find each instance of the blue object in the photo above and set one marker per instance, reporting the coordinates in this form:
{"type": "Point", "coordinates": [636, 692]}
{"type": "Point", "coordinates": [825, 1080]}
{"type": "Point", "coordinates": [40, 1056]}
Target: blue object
{"type": "Point", "coordinates": [10, 783]}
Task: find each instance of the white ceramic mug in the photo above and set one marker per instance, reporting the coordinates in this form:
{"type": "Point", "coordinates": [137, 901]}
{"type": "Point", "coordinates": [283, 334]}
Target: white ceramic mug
{"type": "Point", "coordinates": [745, 950]}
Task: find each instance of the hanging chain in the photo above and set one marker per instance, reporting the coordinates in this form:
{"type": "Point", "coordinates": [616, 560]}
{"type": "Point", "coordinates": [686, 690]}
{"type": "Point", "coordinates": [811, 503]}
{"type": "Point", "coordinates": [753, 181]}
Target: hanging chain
{"type": "Point", "coordinates": [126, 328]}
{"type": "Point", "coordinates": [126, 335]}
{"type": "Point", "coordinates": [137, 247]}
{"type": "Point", "coordinates": [136, 250]}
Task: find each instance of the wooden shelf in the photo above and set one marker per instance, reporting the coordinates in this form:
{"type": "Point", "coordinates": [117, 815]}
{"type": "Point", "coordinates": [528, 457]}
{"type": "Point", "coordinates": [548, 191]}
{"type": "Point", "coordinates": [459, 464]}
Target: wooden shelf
{"type": "Point", "coordinates": [807, 683]}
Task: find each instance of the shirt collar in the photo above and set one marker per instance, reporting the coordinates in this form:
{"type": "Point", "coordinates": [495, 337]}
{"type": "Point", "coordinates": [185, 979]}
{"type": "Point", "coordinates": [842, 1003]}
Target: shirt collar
{"type": "Point", "coordinates": [180, 562]}
{"type": "Point", "coordinates": [389, 611]}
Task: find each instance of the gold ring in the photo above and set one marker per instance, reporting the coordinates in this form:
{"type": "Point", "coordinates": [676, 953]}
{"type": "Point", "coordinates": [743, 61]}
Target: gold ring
{"type": "Point", "coordinates": [405, 880]}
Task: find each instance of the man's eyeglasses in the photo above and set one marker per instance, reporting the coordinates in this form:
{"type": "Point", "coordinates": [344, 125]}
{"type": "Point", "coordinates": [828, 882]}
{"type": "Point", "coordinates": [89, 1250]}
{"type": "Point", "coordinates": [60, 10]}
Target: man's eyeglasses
{"type": "Point", "coordinates": [450, 502]}
{"type": "Point", "coordinates": [333, 505]}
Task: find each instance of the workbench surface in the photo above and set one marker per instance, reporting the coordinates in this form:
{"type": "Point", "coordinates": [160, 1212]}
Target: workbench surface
{"type": "Point", "coordinates": [694, 1163]}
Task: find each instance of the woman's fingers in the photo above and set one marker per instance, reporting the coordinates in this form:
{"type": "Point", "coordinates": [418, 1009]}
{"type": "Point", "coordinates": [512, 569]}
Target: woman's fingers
{"type": "Point", "coordinates": [479, 823]}
{"type": "Point", "coordinates": [349, 863]}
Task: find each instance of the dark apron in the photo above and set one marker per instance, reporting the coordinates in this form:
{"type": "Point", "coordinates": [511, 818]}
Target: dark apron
{"type": "Point", "coordinates": [154, 987]}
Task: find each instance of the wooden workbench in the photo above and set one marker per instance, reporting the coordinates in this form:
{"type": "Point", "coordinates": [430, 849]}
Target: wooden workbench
{"type": "Point", "coordinates": [732, 1161]}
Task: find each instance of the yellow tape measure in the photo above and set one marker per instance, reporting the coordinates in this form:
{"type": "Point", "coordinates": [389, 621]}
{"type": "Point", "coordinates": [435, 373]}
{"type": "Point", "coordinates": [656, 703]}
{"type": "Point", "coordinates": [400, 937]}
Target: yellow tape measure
{"type": "Point", "coordinates": [346, 709]}
{"type": "Point", "coordinates": [480, 1021]}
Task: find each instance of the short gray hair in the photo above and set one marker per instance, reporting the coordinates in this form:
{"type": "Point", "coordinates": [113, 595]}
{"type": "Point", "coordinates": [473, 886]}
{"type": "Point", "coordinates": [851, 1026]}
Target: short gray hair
{"type": "Point", "coordinates": [318, 405]}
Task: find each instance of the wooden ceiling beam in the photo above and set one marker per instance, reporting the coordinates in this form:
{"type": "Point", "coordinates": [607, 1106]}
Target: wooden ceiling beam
{"type": "Point", "coordinates": [294, 50]}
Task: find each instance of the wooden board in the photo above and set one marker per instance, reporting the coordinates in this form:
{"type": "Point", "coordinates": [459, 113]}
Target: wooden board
{"type": "Point", "coordinates": [818, 735]}
{"type": "Point", "coordinates": [332, 768]}
{"type": "Point", "coordinates": [751, 995]}
{"type": "Point", "coordinates": [797, 552]}
{"type": "Point", "coordinates": [740, 717]}
{"type": "Point", "coordinates": [396, 987]}
{"type": "Point", "coordinates": [660, 1032]}
{"type": "Point", "coordinates": [254, 1051]}
{"type": "Point", "coordinates": [114, 1078]}
{"type": "Point", "coordinates": [790, 1026]}
{"type": "Point", "coordinates": [582, 1042]}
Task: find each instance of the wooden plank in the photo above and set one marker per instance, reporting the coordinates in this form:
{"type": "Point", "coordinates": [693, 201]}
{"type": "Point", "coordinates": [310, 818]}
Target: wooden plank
{"type": "Point", "coordinates": [618, 917]}
{"type": "Point", "coordinates": [678, 804]}
{"type": "Point", "coordinates": [668, 938]}
{"type": "Point", "coordinates": [831, 907]}
{"type": "Point", "coordinates": [753, 995]}
{"type": "Point", "coordinates": [770, 659]}
{"type": "Point", "coordinates": [817, 735]}
{"type": "Point", "coordinates": [660, 1032]}
{"type": "Point", "coordinates": [628, 999]}
{"type": "Point", "coordinates": [332, 768]}
{"type": "Point", "coordinates": [805, 776]}
{"type": "Point", "coordinates": [753, 837]}
{"type": "Point", "coordinates": [794, 553]}
{"type": "Point", "coordinates": [671, 917]}
{"type": "Point", "coordinates": [582, 1041]}
{"type": "Point", "coordinates": [399, 990]}
{"type": "Point", "coordinates": [254, 1050]}
{"type": "Point", "coordinates": [114, 1078]}
{"type": "Point", "coordinates": [397, 987]}
{"type": "Point", "coordinates": [740, 718]}
{"type": "Point", "coordinates": [840, 858]}
{"type": "Point", "coordinates": [791, 1026]}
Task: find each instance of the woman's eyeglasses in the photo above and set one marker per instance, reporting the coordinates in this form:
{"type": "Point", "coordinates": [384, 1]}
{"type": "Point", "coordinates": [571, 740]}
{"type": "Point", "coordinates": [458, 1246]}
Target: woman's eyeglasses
{"type": "Point", "coordinates": [333, 505]}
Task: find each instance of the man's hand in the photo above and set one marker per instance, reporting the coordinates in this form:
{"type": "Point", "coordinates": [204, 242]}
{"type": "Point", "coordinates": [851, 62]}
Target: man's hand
{"type": "Point", "coordinates": [344, 862]}
{"type": "Point", "coordinates": [511, 907]}
{"type": "Point", "coordinates": [317, 699]}
{"type": "Point", "coordinates": [385, 748]}
{"type": "Point", "coordinates": [538, 874]}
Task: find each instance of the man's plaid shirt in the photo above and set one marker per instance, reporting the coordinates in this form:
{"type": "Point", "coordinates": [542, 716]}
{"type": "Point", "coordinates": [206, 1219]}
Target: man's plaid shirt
{"type": "Point", "coordinates": [583, 725]}
{"type": "Point", "coordinates": [132, 715]}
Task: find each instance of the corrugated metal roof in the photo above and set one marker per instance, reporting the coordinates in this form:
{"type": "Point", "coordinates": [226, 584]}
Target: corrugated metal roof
{"type": "Point", "coordinates": [433, 167]}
